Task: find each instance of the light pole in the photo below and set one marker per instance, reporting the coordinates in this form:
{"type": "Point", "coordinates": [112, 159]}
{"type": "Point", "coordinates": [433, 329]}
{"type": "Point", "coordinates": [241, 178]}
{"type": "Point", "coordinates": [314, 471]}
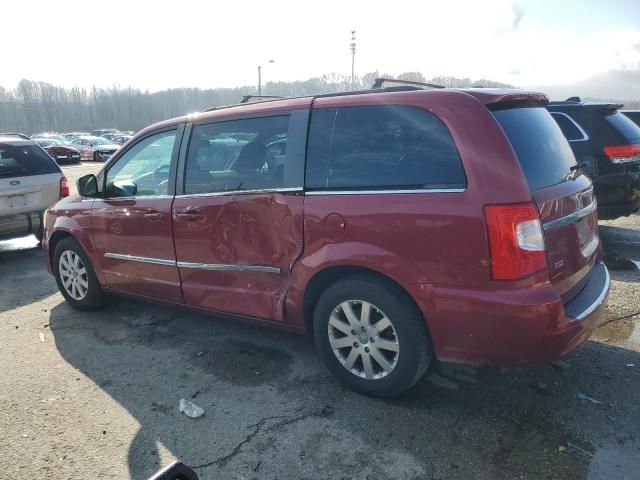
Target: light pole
{"type": "Point", "coordinates": [353, 58]}
{"type": "Point", "coordinates": [260, 77]}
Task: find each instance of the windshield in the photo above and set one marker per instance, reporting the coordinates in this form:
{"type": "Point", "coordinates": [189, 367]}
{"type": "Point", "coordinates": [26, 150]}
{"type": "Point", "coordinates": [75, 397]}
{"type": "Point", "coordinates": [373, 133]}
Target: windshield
{"type": "Point", "coordinates": [24, 160]}
{"type": "Point", "coordinates": [542, 150]}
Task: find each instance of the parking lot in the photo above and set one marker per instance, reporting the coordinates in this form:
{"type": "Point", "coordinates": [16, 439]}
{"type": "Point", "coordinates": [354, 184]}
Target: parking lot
{"type": "Point", "coordinates": [95, 395]}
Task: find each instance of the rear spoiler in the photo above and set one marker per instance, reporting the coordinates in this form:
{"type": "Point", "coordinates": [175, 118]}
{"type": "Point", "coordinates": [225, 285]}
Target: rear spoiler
{"type": "Point", "coordinates": [518, 100]}
{"type": "Point", "coordinates": [605, 108]}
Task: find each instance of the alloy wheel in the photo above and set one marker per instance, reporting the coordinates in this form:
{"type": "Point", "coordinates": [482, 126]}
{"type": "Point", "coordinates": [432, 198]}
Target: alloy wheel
{"type": "Point", "coordinates": [363, 339]}
{"type": "Point", "coordinates": [73, 275]}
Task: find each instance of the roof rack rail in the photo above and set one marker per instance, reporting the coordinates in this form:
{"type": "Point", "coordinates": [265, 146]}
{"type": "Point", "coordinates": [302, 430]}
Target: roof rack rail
{"type": "Point", "coordinates": [247, 98]}
{"type": "Point", "coordinates": [378, 82]}
{"type": "Point", "coordinates": [14, 134]}
{"type": "Point", "coordinates": [246, 101]}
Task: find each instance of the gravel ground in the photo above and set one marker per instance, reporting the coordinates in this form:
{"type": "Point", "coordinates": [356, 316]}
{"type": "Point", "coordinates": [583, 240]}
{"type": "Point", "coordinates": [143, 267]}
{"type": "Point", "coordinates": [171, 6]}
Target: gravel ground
{"type": "Point", "coordinates": [95, 395]}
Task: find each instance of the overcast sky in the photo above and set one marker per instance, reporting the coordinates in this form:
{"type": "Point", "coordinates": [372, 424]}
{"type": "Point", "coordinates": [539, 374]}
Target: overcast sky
{"type": "Point", "coordinates": [158, 45]}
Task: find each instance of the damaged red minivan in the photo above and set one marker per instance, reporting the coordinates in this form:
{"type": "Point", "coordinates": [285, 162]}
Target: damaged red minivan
{"type": "Point", "coordinates": [394, 225]}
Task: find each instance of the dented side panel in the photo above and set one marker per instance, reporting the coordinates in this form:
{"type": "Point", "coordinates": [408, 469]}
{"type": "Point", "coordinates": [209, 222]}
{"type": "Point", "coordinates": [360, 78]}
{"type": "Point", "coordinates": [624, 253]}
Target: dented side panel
{"type": "Point", "coordinates": [235, 252]}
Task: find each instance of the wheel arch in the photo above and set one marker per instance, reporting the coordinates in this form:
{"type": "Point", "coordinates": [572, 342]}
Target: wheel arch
{"type": "Point", "coordinates": [326, 277]}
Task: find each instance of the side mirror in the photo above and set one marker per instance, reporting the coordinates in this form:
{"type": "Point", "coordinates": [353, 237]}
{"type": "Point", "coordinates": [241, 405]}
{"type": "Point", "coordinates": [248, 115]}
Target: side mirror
{"type": "Point", "coordinates": [88, 186]}
{"type": "Point", "coordinates": [124, 188]}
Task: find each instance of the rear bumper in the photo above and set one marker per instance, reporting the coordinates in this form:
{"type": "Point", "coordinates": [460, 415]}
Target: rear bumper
{"type": "Point", "coordinates": [618, 194]}
{"type": "Point", "coordinates": [514, 328]}
{"type": "Point", "coordinates": [12, 226]}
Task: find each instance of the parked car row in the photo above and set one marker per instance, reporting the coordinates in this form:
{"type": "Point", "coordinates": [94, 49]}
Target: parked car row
{"type": "Point", "coordinates": [395, 226]}
{"type": "Point", "coordinates": [71, 147]}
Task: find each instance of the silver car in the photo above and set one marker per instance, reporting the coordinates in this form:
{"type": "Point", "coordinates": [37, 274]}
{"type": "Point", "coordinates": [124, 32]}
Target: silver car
{"type": "Point", "coordinates": [30, 181]}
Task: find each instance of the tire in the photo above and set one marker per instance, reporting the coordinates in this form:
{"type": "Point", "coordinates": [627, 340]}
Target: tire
{"type": "Point", "coordinates": [407, 333]}
{"type": "Point", "coordinates": [95, 157]}
{"type": "Point", "coordinates": [93, 294]}
{"type": "Point", "coordinates": [39, 234]}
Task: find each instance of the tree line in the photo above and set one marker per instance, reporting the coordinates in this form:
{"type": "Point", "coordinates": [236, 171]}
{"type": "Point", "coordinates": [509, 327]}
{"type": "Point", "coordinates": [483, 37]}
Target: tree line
{"type": "Point", "coordinates": [34, 107]}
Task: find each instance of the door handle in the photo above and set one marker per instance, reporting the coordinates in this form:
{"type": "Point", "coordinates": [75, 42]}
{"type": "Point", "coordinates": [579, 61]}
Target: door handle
{"type": "Point", "coordinates": [154, 216]}
{"type": "Point", "coordinates": [189, 214]}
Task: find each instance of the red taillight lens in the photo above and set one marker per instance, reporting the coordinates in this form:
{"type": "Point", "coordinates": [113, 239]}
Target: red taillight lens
{"type": "Point", "coordinates": [64, 187]}
{"type": "Point", "coordinates": [623, 153]}
{"type": "Point", "coordinates": [516, 241]}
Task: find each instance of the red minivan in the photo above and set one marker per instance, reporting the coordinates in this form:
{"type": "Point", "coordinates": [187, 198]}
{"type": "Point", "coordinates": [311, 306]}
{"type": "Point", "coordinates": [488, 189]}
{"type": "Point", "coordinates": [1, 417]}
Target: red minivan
{"type": "Point", "coordinates": [393, 225]}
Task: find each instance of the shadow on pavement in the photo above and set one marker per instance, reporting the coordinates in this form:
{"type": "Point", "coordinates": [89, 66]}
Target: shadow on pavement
{"type": "Point", "coordinates": [22, 261]}
{"type": "Point", "coordinates": [273, 411]}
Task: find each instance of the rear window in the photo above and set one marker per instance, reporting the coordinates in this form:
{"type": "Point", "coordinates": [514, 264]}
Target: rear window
{"type": "Point", "coordinates": [381, 147]}
{"type": "Point", "coordinates": [544, 153]}
{"type": "Point", "coordinates": [634, 116]}
{"type": "Point", "coordinates": [24, 160]}
{"type": "Point", "coordinates": [624, 125]}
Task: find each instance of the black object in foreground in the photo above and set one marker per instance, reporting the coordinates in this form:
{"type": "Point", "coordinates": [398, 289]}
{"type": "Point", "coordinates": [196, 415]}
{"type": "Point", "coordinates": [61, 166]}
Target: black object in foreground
{"type": "Point", "coordinates": [175, 471]}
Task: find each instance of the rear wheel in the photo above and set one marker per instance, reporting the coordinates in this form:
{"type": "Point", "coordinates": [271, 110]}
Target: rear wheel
{"type": "Point", "coordinates": [75, 276]}
{"type": "Point", "coordinates": [96, 158]}
{"type": "Point", "coordinates": [372, 336]}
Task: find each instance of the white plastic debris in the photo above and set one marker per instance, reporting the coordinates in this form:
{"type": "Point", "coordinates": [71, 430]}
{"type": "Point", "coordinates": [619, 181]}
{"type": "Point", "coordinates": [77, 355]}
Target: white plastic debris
{"type": "Point", "coordinates": [190, 409]}
{"type": "Point", "coordinates": [41, 335]}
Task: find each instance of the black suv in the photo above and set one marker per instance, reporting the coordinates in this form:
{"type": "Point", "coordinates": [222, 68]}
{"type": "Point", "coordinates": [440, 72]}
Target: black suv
{"type": "Point", "coordinates": [606, 145]}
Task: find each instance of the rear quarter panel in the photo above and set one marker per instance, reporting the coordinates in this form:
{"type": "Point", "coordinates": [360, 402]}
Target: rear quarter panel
{"type": "Point", "coordinates": [421, 240]}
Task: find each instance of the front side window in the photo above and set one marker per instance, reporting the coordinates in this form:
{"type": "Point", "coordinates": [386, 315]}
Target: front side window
{"type": "Point", "coordinates": [381, 147]}
{"type": "Point", "coordinates": [248, 154]}
{"type": "Point", "coordinates": [144, 169]}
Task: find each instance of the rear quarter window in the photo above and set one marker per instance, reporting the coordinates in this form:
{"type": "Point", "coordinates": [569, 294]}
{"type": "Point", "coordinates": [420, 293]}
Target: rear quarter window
{"type": "Point", "coordinates": [24, 161]}
{"type": "Point", "coordinates": [381, 147]}
{"type": "Point", "coordinates": [542, 150]}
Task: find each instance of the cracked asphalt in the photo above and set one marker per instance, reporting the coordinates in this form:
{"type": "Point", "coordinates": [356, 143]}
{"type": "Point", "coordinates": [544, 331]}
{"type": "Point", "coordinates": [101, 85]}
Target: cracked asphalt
{"type": "Point", "coordinates": [95, 395]}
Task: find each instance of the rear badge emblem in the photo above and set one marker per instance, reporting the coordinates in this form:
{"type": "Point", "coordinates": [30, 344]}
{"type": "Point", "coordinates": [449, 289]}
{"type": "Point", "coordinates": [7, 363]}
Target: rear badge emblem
{"type": "Point", "coordinates": [559, 264]}
{"type": "Point", "coordinates": [15, 182]}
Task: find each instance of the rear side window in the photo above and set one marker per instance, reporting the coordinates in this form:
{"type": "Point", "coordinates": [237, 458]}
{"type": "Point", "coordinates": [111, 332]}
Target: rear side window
{"type": "Point", "coordinates": [24, 161]}
{"type": "Point", "coordinates": [569, 127]}
{"type": "Point", "coordinates": [624, 125]}
{"type": "Point", "coordinates": [381, 147]}
{"type": "Point", "coordinates": [544, 153]}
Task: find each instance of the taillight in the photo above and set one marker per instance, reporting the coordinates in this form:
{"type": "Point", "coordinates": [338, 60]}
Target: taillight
{"type": "Point", "coordinates": [64, 187]}
{"type": "Point", "coordinates": [516, 241]}
{"type": "Point", "coordinates": [623, 153]}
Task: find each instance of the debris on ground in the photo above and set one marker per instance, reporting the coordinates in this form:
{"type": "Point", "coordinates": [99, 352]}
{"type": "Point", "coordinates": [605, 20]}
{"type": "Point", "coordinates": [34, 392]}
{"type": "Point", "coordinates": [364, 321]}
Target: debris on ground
{"type": "Point", "coordinates": [576, 448]}
{"type": "Point", "coordinates": [190, 409]}
{"type": "Point", "coordinates": [562, 448]}
{"type": "Point", "coordinates": [582, 396]}
{"type": "Point", "coordinates": [41, 335]}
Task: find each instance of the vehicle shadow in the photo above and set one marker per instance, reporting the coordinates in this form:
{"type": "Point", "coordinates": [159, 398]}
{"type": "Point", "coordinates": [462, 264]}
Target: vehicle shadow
{"type": "Point", "coordinates": [273, 411]}
{"type": "Point", "coordinates": [25, 266]}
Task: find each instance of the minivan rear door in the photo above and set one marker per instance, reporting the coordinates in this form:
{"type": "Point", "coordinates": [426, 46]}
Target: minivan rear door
{"type": "Point", "coordinates": [563, 195]}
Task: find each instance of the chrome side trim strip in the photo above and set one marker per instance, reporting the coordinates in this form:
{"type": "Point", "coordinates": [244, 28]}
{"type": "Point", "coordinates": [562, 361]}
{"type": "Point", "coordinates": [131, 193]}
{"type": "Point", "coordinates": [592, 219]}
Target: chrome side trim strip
{"type": "Point", "coordinates": [572, 217]}
{"type": "Point", "coordinates": [229, 267]}
{"type": "Point", "coordinates": [600, 298]}
{"type": "Point", "coordinates": [135, 258]}
{"type": "Point", "coordinates": [384, 192]}
{"type": "Point", "coordinates": [241, 192]}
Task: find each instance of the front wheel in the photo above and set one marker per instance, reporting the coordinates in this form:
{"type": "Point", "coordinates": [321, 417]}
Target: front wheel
{"type": "Point", "coordinates": [372, 336]}
{"type": "Point", "coordinates": [75, 276]}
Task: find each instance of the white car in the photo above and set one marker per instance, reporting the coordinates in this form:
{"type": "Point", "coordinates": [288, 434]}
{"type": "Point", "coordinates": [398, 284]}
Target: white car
{"type": "Point", "coordinates": [30, 181]}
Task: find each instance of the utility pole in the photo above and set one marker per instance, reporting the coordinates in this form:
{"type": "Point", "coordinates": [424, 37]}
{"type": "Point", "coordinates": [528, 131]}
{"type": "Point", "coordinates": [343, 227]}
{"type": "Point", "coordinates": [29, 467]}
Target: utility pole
{"type": "Point", "coordinates": [260, 77]}
{"type": "Point", "coordinates": [353, 59]}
